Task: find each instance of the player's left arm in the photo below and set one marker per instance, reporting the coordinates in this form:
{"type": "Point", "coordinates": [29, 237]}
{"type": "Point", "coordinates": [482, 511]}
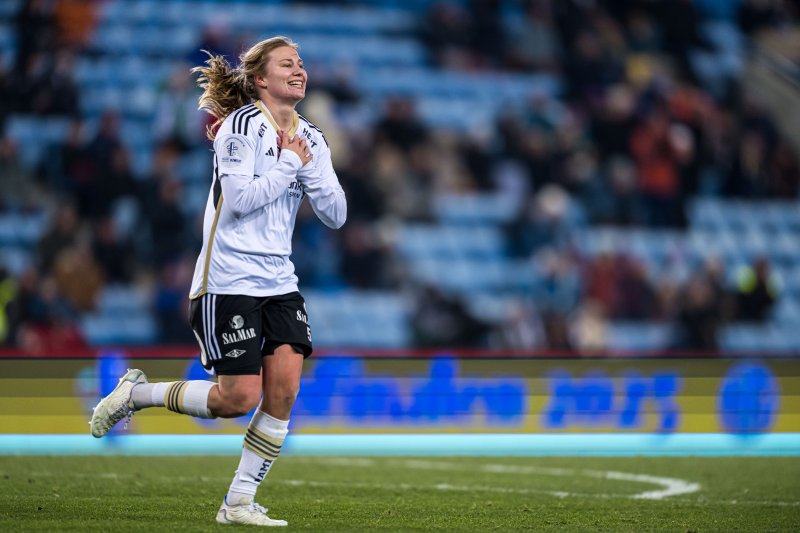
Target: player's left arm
{"type": "Point", "coordinates": [322, 187]}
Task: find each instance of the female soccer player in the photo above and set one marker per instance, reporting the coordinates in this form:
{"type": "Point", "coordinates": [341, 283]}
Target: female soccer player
{"type": "Point", "coordinates": [246, 311]}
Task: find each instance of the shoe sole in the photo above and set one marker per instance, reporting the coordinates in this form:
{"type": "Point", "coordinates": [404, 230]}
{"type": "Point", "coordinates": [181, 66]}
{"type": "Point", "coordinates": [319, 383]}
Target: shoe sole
{"type": "Point", "coordinates": [222, 518]}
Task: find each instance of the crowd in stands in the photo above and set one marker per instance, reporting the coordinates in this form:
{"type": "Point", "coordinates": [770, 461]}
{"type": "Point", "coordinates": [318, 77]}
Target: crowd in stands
{"type": "Point", "coordinates": [646, 120]}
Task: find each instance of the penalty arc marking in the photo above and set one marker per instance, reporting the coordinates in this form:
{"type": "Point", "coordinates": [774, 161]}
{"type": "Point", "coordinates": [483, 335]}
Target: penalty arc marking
{"type": "Point", "coordinates": [667, 486]}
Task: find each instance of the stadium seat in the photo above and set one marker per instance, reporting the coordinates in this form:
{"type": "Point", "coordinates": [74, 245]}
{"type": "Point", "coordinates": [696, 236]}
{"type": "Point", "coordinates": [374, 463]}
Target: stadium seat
{"type": "Point", "coordinates": [639, 336]}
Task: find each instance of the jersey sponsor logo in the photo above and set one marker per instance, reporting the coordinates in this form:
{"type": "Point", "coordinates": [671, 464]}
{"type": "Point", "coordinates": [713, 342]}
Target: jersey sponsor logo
{"type": "Point", "coordinates": [295, 190]}
{"type": "Point", "coordinates": [303, 317]}
{"type": "Point", "coordinates": [236, 352]}
{"type": "Point", "coordinates": [270, 152]}
{"type": "Point", "coordinates": [236, 322]}
{"type": "Point", "coordinates": [231, 152]}
{"type": "Point", "coordinates": [238, 336]}
{"type": "Point", "coordinates": [307, 135]}
{"type": "Point", "coordinates": [262, 129]}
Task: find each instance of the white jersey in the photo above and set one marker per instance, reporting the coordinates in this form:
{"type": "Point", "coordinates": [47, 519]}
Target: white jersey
{"type": "Point", "coordinates": [256, 191]}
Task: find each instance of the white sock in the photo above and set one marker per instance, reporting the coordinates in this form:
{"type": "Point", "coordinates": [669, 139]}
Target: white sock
{"type": "Point", "coordinates": [149, 394]}
{"type": "Point", "coordinates": [185, 397]}
{"type": "Point", "coordinates": [262, 444]}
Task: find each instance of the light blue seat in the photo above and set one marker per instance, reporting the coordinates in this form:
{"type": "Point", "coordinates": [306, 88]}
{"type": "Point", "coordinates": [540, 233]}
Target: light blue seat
{"type": "Point", "coordinates": [639, 336]}
{"type": "Point", "coordinates": [33, 135]}
{"type": "Point", "coordinates": [122, 300]}
{"type": "Point", "coordinates": [705, 214]}
{"type": "Point", "coordinates": [476, 208]}
{"type": "Point", "coordinates": [23, 230]}
{"type": "Point", "coordinates": [196, 166]}
{"type": "Point", "coordinates": [101, 330]}
{"type": "Point", "coordinates": [358, 319]}
{"type": "Point", "coordinates": [8, 8]}
{"type": "Point", "coordinates": [430, 241]}
{"type": "Point", "coordinates": [16, 259]}
{"type": "Point", "coordinates": [491, 307]}
{"type": "Point", "coordinates": [742, 337]}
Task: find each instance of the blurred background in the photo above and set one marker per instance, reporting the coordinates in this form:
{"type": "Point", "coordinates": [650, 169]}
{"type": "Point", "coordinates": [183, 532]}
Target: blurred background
{"type": "Point", "coordinates": [561, 177]}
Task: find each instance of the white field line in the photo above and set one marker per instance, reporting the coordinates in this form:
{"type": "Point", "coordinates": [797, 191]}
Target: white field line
{"type": "Point", "coordinates": [668, 486]}
{"type": "Point", "coordinates": [125, 478]}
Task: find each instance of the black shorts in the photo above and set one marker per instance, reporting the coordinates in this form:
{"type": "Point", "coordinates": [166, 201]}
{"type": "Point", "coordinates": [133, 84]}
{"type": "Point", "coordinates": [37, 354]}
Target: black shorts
{"type": "Point", "coordinates": [236, 331]}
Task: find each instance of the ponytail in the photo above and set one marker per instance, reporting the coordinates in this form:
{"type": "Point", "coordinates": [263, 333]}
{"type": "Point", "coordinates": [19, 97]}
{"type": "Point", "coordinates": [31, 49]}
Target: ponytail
{"type": "Point", "coordinates": [226, 89]}
{"type": "Point", "coordinates": [223, 90]}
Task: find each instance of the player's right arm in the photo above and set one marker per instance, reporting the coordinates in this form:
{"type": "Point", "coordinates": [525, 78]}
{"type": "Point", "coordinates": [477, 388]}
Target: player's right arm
{"type": "Point", "coordinates": [243, 193]}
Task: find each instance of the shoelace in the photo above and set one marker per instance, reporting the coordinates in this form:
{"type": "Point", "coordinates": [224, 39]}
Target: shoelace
{"type": "Point", "coordinates": [256, 507]}
{"type": "Point", "coordinates": [114, 416]}
{"type": "Point", "coordinates": [127, 420]}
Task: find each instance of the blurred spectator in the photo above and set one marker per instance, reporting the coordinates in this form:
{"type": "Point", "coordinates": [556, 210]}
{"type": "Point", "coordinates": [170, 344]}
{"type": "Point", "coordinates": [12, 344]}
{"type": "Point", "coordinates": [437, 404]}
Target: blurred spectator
{"type": "Point", "coordinates": [47, 87]}
{"type": "Point", "coordinates": [447, 30]}
{"type": "Point", "coordinates": [487, 38]}
{"type": "Point", "coordinates": [442, 321]}
{"type": "Point", "coordinates": [71, 169]}
{"type": "Point", "coordinates": [625, 207]}
{"type": "Point", "coordinates": [637, 298]}
{"type": "Point", "coordinates": [215, 40]}
{"type": "Point", "coordinates": [602, 281]}
{"type": "Point", "coordinates": [559, 289]}
{"type": "Point", "coordinates": [364, 258]}
{"type": "Point", "coordinates": [19, 191]}
{"type": "Point", "coordinates": [97, 173]}
{"type": "Point", "coordinates": [757, 15]}
{"type": "Point", "coordinates": [654, 153]}
{"type": "Point", "coordinates": [176, 118]}
{"type": "Point", "coordinates": [337, 81]}
{"type": "Point", "coordinates": [520, 330]}
{"type": "Point", "coordinates": [784, 173]}
{"type": "Point", "coordinates": [699, 316]}
{"type": "Point", "coordinates": [75, 20]}
{"type": "Point", "coordinates": [681, 31]}
{"type": "Point", "coordinates": [113, 253]}
{"type": "Point", "coordinates": [168, 227]}
{"type": "Point", "coordinates": [400, 125]}
{"type": "Point", "coordinates": [62, 234]}
{"type": "Point", "coordinates": [42, 322]}
{"type": "Point", "coordinates": [170, 303]}
{"type": "Point", "coordinates": [8, 292]}
{"type": "Point", "coordinates": [9, 93]}
{"type": "Point", "coordinates": [590, 68]}
{"type": "Point", "coordinates": [757, 291]}
{"type": "Point", "coordinates": [532, 39]}
{"type": "Point", "coordinates": [588, 328]}
{"type": "Point", "coordinates": [35, 30]}
{"type": "Point", "coordinates": [78, 276]}
{"type": "Point", "coordinates": [548, 221]}
{"type": "Point", "coordinates": [613, 121]}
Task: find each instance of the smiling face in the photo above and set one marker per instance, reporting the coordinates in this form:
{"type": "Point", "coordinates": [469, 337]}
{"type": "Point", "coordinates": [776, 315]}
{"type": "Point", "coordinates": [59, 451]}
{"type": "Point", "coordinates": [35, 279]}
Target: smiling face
{"type": "Point", "coordinates": [285, 78]}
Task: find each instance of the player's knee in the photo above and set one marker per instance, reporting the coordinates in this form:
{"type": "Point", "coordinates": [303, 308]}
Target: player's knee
{"type": "Point", "coordinates": [285, 395]}
{"type": "Point", "coordinates": [240, 403]}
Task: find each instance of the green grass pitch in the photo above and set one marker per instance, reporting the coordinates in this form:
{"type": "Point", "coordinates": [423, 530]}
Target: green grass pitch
{"type": "Point", "coordinates": [396, 494]}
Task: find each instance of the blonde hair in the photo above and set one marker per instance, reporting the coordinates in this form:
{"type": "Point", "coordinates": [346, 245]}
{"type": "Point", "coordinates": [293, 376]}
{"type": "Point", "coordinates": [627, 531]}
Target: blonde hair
{"type": "Point", "coordinates": [226, 89]}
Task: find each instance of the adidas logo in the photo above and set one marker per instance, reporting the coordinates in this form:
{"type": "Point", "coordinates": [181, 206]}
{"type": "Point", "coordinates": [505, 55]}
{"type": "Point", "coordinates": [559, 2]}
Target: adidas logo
{"type": "Point", "coordinates": [270, 152]}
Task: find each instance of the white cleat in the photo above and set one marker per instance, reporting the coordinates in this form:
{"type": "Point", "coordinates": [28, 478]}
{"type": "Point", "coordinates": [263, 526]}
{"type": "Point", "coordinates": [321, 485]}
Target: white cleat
{"type": "Point", "coordinates": [116, 405]}
{"type": "Point", "coordinates": [249, 513]}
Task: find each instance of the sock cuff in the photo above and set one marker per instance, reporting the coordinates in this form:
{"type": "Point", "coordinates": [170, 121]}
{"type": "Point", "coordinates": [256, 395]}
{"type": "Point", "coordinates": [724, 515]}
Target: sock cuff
{"type": "Point", "coordinates": [189, 397]}
{"type": "Point", "coordinates": [269, 425]}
